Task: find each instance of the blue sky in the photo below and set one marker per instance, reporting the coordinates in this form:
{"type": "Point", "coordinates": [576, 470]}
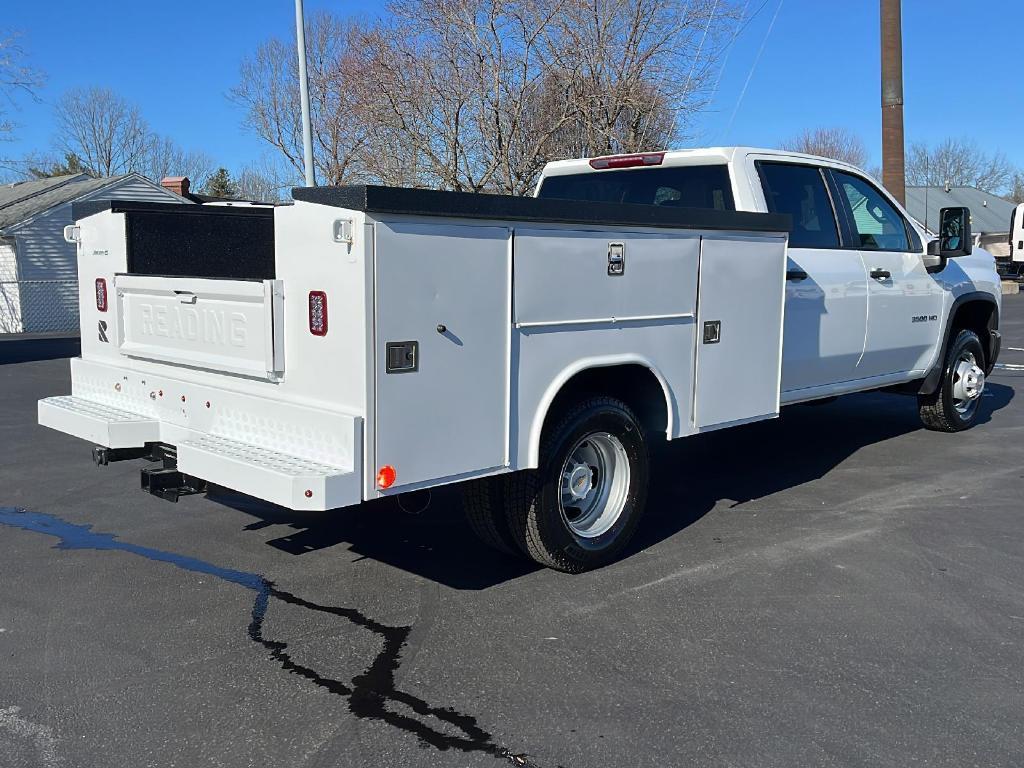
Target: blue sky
{"type": "Point", "coordinates": [819, 66]}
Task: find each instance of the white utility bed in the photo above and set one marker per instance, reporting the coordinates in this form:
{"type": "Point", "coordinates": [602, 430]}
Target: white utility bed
{"type": "Point", "coordinates": [425, 332]}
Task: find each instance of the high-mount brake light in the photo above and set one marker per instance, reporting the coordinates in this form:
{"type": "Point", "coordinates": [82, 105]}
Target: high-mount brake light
{"type": "Point", "coordinates": [101, 294]}
{"type": "Point", "coordinates": [318, 313]}
{"type": "Point", "coordinates": [627, 161]}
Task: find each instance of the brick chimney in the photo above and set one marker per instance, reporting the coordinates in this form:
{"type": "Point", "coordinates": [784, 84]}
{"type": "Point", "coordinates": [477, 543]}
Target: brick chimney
{"type": "Point", "coordinates": [176, 184]}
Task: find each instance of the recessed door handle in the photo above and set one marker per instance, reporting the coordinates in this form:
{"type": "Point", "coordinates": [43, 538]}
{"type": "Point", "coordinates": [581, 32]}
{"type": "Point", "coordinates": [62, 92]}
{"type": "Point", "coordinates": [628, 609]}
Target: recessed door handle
{"type": "Point", "coordinates": [796, 274]}
{"type": "Point", "coordinates": [880, 274]}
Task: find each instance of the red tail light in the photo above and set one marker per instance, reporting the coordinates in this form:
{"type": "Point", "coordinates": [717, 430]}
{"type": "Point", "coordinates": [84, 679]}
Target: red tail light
{"type": "Point", "coordinates": [101, 294]}
{"type": "Point", "coordinates": [627, 161]}
{"type": "Point", "coordinates": [318, 313]}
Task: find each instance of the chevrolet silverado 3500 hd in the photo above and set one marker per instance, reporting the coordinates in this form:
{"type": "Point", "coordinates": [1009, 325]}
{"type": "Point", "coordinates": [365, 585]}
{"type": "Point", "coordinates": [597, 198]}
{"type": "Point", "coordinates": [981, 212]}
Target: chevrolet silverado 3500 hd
{"type": "Point", "coordinates": [369, 341]}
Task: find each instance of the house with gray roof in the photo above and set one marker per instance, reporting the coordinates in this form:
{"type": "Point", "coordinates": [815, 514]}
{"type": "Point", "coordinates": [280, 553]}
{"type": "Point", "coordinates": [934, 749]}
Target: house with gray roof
{"type": "Point", "coordinates": [990, 214]}
{"type": "Point", "coordinates": [38, 269]}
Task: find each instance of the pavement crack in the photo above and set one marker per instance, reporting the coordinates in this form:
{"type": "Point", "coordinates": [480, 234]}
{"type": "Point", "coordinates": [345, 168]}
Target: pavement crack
{"type": "Point", "coordinates": [371, 695]}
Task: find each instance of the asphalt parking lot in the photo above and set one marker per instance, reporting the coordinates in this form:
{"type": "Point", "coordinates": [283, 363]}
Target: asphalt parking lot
{"type": "Point", "coordinates": [834, 588]}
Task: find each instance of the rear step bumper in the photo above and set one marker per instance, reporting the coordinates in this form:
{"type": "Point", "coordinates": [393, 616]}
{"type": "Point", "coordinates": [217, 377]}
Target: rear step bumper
{"type": "Point", "coordinates": [275, 476]}
{"type": "Point", "coordinates": [97, 422]}
{"type": "Point", "coordinates": [287, 480]}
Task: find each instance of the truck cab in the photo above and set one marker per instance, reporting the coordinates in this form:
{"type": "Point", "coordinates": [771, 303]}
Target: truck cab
{"type": "Point", "coordinates": [867, 305]}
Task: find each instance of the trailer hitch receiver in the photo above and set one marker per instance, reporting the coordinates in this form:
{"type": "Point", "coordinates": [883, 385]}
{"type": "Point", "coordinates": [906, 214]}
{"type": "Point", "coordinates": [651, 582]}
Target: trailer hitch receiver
{"type": "Point", "coordinates": [170, 484]}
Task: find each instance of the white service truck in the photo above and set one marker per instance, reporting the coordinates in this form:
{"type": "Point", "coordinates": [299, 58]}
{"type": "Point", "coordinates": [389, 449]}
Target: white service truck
{"type": "Point", "coordinates": [370, 341]}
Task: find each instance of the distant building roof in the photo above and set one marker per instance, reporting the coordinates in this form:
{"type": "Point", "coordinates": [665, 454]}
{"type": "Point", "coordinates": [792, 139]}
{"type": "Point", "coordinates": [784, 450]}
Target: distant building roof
{"type": "Point", "coordinates": [23, 200]}
{"type": "Point", "coordinates": [990, 214]}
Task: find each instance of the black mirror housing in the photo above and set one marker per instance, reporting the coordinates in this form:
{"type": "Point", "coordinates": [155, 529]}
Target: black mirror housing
{"type": "Point", "coordinates": [955, 237]}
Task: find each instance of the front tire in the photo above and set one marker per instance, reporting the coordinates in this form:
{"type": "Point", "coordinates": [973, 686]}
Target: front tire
{"type": "Point", "coordinates": [581, 507]}
{"type": "Point", "coordinates": [954, 406]}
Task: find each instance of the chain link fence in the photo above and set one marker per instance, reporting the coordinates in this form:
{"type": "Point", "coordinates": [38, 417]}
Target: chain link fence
{"type": "Point", "coordinates": [38, 306]}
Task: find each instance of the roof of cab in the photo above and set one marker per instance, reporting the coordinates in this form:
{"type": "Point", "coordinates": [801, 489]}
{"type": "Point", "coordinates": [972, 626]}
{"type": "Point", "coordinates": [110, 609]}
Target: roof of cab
{"type": "Point", "coordinates": [690, 156]}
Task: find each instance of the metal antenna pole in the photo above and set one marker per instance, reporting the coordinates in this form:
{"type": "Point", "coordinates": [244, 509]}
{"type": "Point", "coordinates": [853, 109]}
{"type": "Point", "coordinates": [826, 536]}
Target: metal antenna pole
{"type": "Point", "coordinates": [307, 126]}
{"type": "Point", "coordinates": [893, 160]}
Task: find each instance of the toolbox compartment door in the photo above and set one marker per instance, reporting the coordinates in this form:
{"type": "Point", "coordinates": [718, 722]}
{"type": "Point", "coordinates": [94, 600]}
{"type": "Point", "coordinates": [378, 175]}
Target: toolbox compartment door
{"type": "Point", "coordinates": [442, 350]}
{"type": "Point", "coordinates": [228, 326]}
{"type": "Point", "coordinates": [739, 329]}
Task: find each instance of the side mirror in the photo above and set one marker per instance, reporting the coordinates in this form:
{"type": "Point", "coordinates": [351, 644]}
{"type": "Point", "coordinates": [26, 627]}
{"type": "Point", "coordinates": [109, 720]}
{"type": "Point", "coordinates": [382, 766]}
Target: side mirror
{"type": "Point", "coordinates": [954, 233]}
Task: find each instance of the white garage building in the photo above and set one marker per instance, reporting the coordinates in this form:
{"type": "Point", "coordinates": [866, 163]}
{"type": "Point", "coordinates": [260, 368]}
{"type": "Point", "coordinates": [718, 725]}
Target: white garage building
{"type": "Point", "coordinates": [38, 274]}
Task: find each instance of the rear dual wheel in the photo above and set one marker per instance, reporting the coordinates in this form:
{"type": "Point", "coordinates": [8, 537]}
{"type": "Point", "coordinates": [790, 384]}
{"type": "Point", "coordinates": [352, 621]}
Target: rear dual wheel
{"type": "Point", "coordinates": [581, 507]}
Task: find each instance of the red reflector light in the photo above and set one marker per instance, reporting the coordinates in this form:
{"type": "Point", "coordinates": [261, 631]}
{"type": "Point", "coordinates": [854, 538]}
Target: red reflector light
{"type": "Point", "coordinates": [318, 313]}
{"type": "Point", "coordinates": [386, 476]}
{"type": "Point", "coordinates": [627, 161]}
{"type": "Point", "coordinates": [101, 294]}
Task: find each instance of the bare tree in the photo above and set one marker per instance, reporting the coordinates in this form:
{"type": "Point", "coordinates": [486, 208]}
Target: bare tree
{"type": "Point", "coordinates": [959, 163]}
{"type": "Point", "coordinates": [835, 143]}
{"type": "Point", "coordinates": [487, 91]}
{"type": "Point", "coordinates": [1017, 188]}
{"type": "Point", "coordinates": [268, 89]}
{"type": "Point", "coordinates": [478, 94]}
{"type": "Point", "coordinates": [16, 78]}
{"type": "Point", "coordinates": [262, 182]}
{"type": "Point", "coordinates": [164, 157]}
{"type": "Point", "coordinates": [103, 129]}
{"type": "Point", "coordinates": [110, 137]}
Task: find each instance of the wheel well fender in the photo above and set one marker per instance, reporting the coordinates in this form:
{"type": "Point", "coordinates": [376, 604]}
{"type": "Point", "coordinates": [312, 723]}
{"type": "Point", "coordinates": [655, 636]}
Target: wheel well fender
{"type": "Point", "coordinates": [632, 378]}
{"type": "Point", "coordinates": [976, 311]}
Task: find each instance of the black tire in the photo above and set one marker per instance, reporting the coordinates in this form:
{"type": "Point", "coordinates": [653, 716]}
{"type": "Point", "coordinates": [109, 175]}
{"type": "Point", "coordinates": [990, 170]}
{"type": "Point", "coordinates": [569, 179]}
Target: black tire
{"type": "Point", "coordinates": [483, 501]}
{"type": "Point", "coordinates": [939, 411]}
{"type": "Point", "coordinates": [535, 512]}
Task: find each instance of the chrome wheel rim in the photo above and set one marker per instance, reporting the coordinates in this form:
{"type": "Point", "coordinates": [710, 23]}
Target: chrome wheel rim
{"type": "Point", "coordinates": [594, 485]}
{"type": "Point", "coordinates": [968, 383]}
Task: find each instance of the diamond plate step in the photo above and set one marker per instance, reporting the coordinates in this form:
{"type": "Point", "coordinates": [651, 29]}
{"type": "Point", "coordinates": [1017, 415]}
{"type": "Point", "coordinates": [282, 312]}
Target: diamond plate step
{"type": "Point", "coordinates": [97, 422]}
{"type": "Point", "coordinates": [281, 478]}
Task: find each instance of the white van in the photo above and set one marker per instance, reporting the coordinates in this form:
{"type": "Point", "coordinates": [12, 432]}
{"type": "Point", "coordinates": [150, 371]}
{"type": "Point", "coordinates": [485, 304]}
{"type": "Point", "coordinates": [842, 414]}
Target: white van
{"type": "Point", "coordinates": [1017, 239]}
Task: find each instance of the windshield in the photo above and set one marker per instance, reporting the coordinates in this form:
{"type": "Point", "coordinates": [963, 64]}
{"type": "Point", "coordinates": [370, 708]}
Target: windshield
{"type": "Point", "coordinates": [688, 186]}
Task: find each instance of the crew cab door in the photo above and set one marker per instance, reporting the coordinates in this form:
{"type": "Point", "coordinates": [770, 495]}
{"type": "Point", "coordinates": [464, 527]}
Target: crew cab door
{"type": "Point", "coordinates": [826, 285]}
{"type": "Point", "coordinates": [904, 300]}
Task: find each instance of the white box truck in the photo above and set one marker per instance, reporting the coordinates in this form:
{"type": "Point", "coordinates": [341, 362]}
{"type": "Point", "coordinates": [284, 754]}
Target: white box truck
{"type": "Point", "coordinates": [369, 341]}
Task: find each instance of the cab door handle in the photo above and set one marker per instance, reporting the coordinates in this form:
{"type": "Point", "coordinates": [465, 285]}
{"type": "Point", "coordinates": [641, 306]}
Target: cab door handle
{"type": "Point", "coordinates": [880, 274]}
{"type": "Point", "coordinates": [796, 274]}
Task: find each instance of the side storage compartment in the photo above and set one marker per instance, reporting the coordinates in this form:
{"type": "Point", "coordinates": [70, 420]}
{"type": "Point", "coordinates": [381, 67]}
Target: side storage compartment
{"type": "Point", "coordinates": [442, 320]}
{"type": "Point", "coordinates": [739, 329]}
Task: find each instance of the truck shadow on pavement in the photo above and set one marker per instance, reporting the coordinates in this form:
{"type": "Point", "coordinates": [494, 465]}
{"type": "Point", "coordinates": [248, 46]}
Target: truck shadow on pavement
{"type": "Point", "coordinates": [748, 463]}
{"type": "Point", "coordinates": [689, 477]}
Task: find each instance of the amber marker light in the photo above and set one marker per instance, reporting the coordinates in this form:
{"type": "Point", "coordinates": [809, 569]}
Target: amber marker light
{"type": "Point", "coordinates": [386, 476]}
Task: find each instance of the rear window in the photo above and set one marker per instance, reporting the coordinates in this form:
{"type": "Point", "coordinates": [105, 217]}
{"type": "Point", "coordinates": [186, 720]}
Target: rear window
{"type": "Point", "coordinates": [690, 186]}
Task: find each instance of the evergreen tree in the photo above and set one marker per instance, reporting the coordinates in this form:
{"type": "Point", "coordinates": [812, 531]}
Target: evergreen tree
{"type": "Point", "coordinates": [220, 184]}
{"type": "Point", "coordinates": [72, 164]}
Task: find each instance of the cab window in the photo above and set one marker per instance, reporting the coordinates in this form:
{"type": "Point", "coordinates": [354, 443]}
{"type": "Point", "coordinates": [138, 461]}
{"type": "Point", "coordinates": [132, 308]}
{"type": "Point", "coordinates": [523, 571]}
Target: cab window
{"type": "Point", "coordinates": [876, 224]}
{"type": "Point", "coordinates": [800, 191]}
{"type": "Point", "coordinates": [681, 186]}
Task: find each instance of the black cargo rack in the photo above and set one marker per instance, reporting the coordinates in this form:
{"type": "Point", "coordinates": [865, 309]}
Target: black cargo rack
{"type": "Point", "coordinates": [429, 202]}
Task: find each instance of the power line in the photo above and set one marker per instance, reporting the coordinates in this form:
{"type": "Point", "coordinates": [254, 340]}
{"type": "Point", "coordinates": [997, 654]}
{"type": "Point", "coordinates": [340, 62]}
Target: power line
{"type": "Point", "coordinates": [696, 57]}
{"type": "Point", "coordinates": [728, 47]}
{"type": "Point", "coordinates": [753, 66]}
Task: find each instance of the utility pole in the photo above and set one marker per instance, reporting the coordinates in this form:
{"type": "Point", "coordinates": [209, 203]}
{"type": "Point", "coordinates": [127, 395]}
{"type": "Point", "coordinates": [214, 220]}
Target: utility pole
{"type": "Point", "coordinates": [307, 126]}
{"type": "Point", "coordinates": [893, 160]}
